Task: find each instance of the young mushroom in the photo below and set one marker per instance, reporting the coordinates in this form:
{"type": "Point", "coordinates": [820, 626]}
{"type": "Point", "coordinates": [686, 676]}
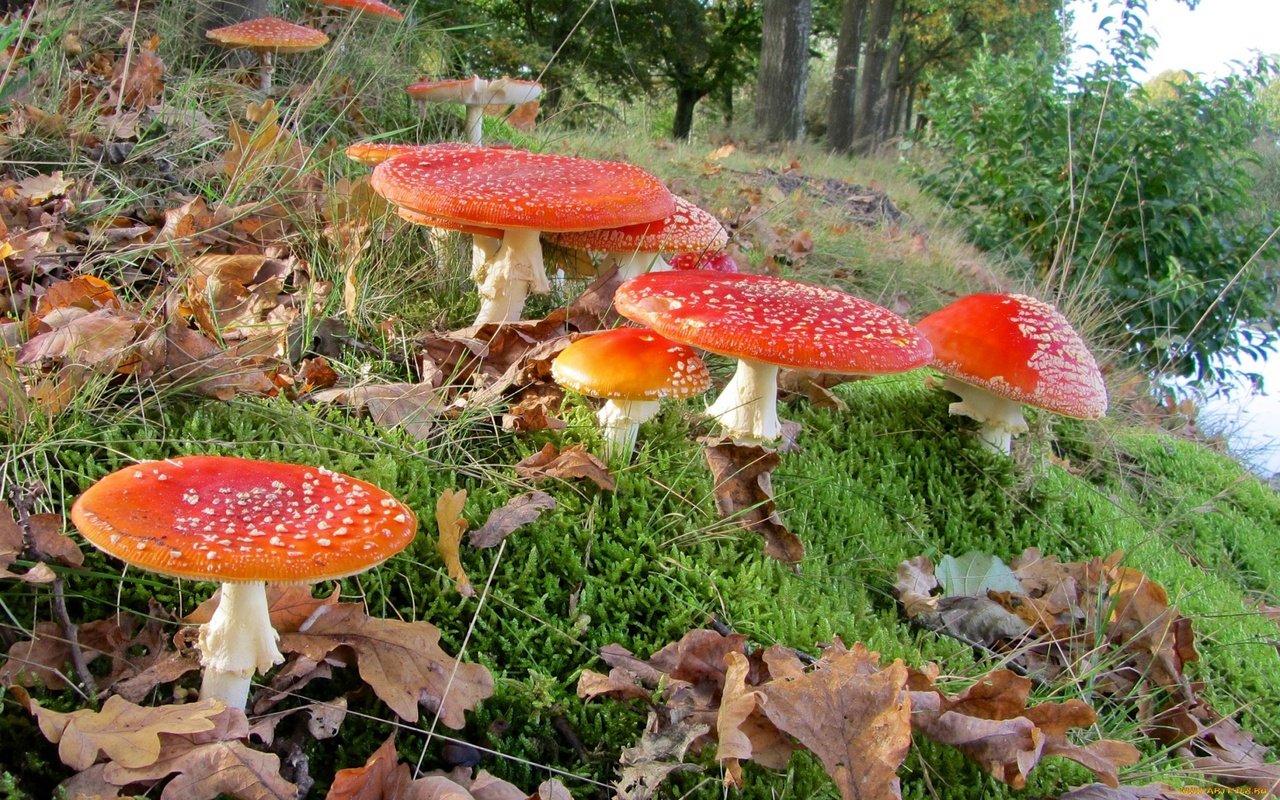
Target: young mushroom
{"type": "Point", "coordinates": [637, 249]}
{"type": "Point", "coordinates": [522, 194]}
{"type": "Point", "coordinates": [767, 323]}
{"type": "Point", "coordinates": [632, 369]}
{"type": "Point", "coordinates": [1003, 351]}
{"type": "Point", "coordinates": [713, 260]}
{"type": "Point", "coordinates": [242, 523]}
{"type": "Point", "coordinates": [476, 94]}
{"type": "Point", "coordinates": [267, 36]}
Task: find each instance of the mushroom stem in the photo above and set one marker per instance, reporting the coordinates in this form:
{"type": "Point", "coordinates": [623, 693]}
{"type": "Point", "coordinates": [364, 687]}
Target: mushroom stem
{"type": "Point", "coordinates": [475, 123]}
{"type": "Point", "coordinates": [267, 66]}
{"type": "Point", "coordinates": [510, 275]}
{"type": "Point", "coordinates": [483, 249]}
{"type": "Point", "coordinates": [748, 406]}
{"type": "Point", "coordinates": [620, 421]}
{"type": "Point", "coordinates": [1001, 418]}
{"type": "Point", "coordinates": [237, 641]}
{"type": "Point", "coordinates": [637, 262]}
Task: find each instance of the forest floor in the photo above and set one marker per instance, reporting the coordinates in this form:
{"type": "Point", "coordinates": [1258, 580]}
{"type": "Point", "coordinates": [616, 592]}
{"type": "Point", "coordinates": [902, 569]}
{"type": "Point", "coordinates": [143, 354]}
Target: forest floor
{"type": "Point", "coordinates": [1143, 603]}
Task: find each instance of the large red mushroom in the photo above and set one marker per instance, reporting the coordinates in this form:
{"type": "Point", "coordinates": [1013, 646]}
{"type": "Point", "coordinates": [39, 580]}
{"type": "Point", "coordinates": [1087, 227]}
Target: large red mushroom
{"type": "Point", "coordinates": [241, 523]}
{"type": "Point", "coordinates": [522, 194]}
{"type": "Point", "coordinates": [767, 323]}
{"type": "Point", "coordinates": [1003, 351]}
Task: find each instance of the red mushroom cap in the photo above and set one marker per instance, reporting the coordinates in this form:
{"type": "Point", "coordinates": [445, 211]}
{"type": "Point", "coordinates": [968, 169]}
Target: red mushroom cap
{"type": "Point", "coordinates": [269, 33]}
{"type": "Point", "coordinates": [508, 188]}
{"type": "Point", "coordinates": [714, 260]}
{"type": "Point", "coordinates": [448, 224]}
{"type": "Point", "coordinates": [228, 519]}
{"type": "Point", "coordinates": [687, 229]}
{"type": "Point", "coordinates": [630, 364]}
{"type": "Point", "coordinates": [774, 321]}
{"type": "Point", "coordinates": [1020, 348]}
{"type": "Point", "coordinates": [375, 7]}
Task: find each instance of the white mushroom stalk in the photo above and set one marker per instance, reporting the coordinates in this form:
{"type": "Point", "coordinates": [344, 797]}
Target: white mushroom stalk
{"type": "Point", "coordinates": [620, 422]}
{"type": "Point", "coordinates": [1001, 418]}
{"type": "Point", "coordinates": [636, 262]}
{"type": "Point", "coordinates": [748, 406]}
{"type": "Point", "coordinates": [506, 279]}
{"type": "Point", "coordinates": [236, 642]}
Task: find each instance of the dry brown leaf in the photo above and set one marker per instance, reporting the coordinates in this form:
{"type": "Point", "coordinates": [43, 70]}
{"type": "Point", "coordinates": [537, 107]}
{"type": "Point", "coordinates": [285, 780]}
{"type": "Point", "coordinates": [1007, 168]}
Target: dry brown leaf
{"type": "Point", "coordinates": [524, 117]}
{"type": "Point", "coordinates": [39, 188]}
{"type": "Point", "coordinates": [206, 770]}
{"type": "Point", "coordinates": [40, 660]}
{"type": "Point", "coordinates": [570, 463]}
{"type": "Point", "coordinates": [289, 605]}
{"type": "Point", "coordinates": [143, 84]}
{"type": "Point", "coordinates": [401, 661]}
{"type": "Point", "coordinates": [414, 407]}
{"type": "Point", "coordinates": [451, 524]}
{"type": "Point", "coordinates": [381, 777]}
{"type": "Point", "coordinates": [743, 487]}
{"type": "Point", "coordinates": [180, 356]}
{"type": "Point", "coordinates": [48, 540]}
{"type": "Point", "coordinates": [502, 522]}
{"type": "Point", "coordinates": [12, 541]}
{"type": "Point", "coordinates": [97, 339]}
{"type": "Point", "coordinates": [853, 715]}
{"type": "Point", "coordinates": [659, 753]}
{"type": "Point", "coordinates": [737, 703]}
{"type": "Point", "coordinates": [127, 734]}
{"type": "Point", "coordinates": [619, 684]}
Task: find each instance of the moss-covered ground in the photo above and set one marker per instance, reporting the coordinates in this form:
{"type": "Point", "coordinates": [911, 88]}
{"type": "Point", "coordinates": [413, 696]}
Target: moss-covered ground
{"type": "Point", "coordinates": [891, 477]}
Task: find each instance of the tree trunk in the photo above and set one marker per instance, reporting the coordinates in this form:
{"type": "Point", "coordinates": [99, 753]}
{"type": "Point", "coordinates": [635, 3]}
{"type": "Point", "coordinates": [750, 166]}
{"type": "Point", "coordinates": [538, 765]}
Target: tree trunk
{"type": "Point", "coordinates": [784, 69]}
{"type": "Point", "coordinates": [686, 99]}
{"type": "Point", "coordinates": [871, 94]}
{"type": "Point", "coordinates": [887, 107]}
{"type": "Point", "coordinates": [844, 82]}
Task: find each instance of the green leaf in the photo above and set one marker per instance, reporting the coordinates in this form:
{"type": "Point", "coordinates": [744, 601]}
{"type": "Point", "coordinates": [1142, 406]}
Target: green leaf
{"type": "Point", "coordinates": [975, 574]}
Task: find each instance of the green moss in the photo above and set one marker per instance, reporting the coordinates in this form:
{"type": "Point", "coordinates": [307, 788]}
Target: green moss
{"type": "Point", "coordinates": [891, 477]}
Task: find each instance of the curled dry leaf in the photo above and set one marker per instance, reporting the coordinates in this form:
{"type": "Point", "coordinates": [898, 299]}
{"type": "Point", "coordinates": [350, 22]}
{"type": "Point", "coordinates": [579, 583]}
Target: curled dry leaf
{"type": "Point", "coordinates": [570, 463]}
{"type": "Point", "coordinates": [744, 493]}
{"type": "Point", "coordinates": [179, 356]}
{"type": "Point", "coordinates": [452, 525]}
{"type": "Point", "coordinates": [401, 661]}
{"type": "Point", "coordinates": [660, 752]}
{"type": "Point", "coordinates": [502, 522]}
{"type": "Point", "coordinates": [737, 702]}
{"type": "Point", "coordinates": [412, 407]}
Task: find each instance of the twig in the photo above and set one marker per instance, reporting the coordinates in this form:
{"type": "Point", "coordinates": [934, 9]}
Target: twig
{"type": "Point", "coordinates": [21, 504]}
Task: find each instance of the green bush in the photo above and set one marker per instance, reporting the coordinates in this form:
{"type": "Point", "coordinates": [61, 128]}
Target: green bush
{"type": "Point", "coordinates": [1135, 203]}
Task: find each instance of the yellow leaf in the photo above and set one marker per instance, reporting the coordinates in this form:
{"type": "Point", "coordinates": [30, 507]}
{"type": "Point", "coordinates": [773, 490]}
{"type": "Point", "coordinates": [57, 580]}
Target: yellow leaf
{"type": "Point", "coordinates": [452, 525]}
{"type": "Point", "coordinates": [128, 734]}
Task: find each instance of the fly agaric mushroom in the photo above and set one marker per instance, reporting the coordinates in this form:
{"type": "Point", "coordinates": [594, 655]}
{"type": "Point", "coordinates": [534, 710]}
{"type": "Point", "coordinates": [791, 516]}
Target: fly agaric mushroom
{"type": "Point", "coordinates": [1003, 351]}
{"type": "Point", "coordinates": [484, 241]}
{"type": "Point", "coordinates": [521, 194]}
{"type": "Point", "coordinates": [632, 369]}
{"type": "Point", "coordinates": [767, 323]}
{"type": "Point", "coordinates": [476, 94]}
{"type": "Point", "coordinates": [242, 523]}
{"type": "Point", "coordinates": [267, 36]}
{"type": "Point", "coordinates": [715, 260]}
{"type": "Point", "coordinates": [376, 8]}
{"type": "Point", "coordinates": [637, 249]}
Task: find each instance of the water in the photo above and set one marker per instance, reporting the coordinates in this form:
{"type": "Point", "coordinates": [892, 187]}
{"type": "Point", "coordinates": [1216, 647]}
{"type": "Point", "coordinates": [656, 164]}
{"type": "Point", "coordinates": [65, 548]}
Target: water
{"type": "Point", "coordinates": [1247, 419]}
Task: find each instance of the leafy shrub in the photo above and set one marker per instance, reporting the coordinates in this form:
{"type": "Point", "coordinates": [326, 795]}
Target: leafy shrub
{"type": "Point", "coordinates": [1108, 188]}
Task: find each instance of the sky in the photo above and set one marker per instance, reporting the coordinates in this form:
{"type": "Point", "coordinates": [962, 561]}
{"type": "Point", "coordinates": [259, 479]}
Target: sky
{"type": "Point", "coordinates": [1204, 40]}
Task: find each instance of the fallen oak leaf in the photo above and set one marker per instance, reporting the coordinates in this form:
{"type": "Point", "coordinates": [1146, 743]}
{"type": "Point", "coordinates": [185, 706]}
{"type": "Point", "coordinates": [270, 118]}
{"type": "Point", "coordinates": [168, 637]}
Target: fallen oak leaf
{"type": "Point", "coordinates": [571, 462]}
{"type": "Point", "coordinates": [127, 734]}
{"type": "Point", "coordinates": [452, 525]}
{"type": "Point", "coordinates": [401, 661]}
{"type": "Point", "coordinates": [743, 491]}
{"type": "Point", "coordinates": [854, 715]}
{"type": "Point", "coordinates": [502, 522]}
{"type": "Point", "coordinates": [380, 777]}
{"type": "Point", "coordinates": [737, 703]}
{"type": "Point", "coordinates": [413, 407]}
{"type": "Point", "coordinates": [209, 770]}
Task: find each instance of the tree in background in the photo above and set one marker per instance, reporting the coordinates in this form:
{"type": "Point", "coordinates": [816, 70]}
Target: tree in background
{"type": "Point", "coordinates": [1138, 208]}
{"type": "Point", "coordinates": [784, 69]}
